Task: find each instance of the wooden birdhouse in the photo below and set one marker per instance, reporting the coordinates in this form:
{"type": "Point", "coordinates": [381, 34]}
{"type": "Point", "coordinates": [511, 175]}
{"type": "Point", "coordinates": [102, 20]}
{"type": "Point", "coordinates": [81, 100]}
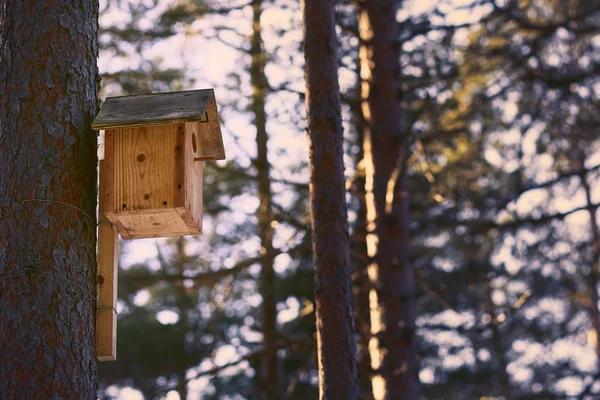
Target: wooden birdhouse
{"type": "Point", "coordinates": [150, 181]}
{"type": "Point", "coordinates": [154, 146]}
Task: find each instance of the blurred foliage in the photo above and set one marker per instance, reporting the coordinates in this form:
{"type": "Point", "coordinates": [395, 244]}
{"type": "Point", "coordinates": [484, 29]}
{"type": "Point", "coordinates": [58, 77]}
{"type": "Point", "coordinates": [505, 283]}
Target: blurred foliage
{"type": "Point", "coordinates": [502, 103]}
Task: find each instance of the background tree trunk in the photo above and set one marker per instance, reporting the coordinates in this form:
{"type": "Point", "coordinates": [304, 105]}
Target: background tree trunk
{"type": "Point", "coordinates": [330, 242]}
{"type": "Point", "coordinates": [392, 347]}
{"type": "Point", "coordinates": [498, 348]}
{"type": "Point", "coordinates": [360, 262]}
{"type": "Point", "coordinates": [184, 304]}
{"type": "Point", "coordinates": [48, 92]}
{"type": "Point", "coordinates": [264, 213]}
{"type": "Point", "coordinates": [592, 280]}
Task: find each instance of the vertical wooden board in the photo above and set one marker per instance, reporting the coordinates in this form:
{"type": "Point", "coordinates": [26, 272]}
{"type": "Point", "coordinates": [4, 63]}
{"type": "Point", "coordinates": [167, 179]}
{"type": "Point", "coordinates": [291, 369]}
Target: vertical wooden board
{"type": "Point", "coordinates": [210, 133]}
{"type": "Point", "coordinates": [145, 166]}
{"type": "Point", "coordinates": [107, 187]}
{"type": "Point", "coordinates": [193, 173]}
{"type": "Point", "coordinates": [179, 182]}
{"type": "Point", "coordinates": [106, 320]}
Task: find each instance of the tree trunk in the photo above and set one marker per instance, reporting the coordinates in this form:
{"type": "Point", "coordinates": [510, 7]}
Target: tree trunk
{"type": "Point", "coordinates": [497, 344]}
{"type": "Point", "coordinates": [184, 304]}
{"type": "Point", "coordinates": [330, 242]}
{"type": "Point", "coordinates": [359, 259]}
{"type": "Point", "coordinates": [360, 262]}
{"type": "Point", "coordinates": [268, 369]}
{"type": "Point", "coordinates": [594, 270]}
{"type": "Point", "coordinates": [48, 92]}
{"type": "Point", "coordinates": [393, 346]}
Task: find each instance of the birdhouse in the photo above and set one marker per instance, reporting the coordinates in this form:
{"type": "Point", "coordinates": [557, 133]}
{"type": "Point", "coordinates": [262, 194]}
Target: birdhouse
{"type": "Point", "coordinates": [150, 181]}
{"type": "Point", "coordinates": [154, 146]}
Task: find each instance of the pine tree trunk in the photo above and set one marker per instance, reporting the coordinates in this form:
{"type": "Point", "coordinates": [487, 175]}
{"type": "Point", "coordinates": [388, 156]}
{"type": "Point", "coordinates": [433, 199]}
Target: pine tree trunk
{"type": "Point", "coordinates": [393, 346]}
{"type": "Point", "coordinates": [268, 369]}
{"type": "Point", "coordinates": [358, 255]}
{"type": "Point", "coordinates": [48, 92]}
{"type": "Point", "coordinates": [594, 311]}
{"type": "Point", "coordinates": [360, 262]}
{"type": "Point", "coordinates": [330, 241]}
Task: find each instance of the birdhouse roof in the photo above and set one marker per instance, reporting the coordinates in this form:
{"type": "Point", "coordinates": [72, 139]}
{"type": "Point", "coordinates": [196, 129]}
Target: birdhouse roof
{"type": "Point", "coordinates": [154, 109]}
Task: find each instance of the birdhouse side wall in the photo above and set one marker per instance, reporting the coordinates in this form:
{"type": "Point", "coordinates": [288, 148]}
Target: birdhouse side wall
{"type": "Point", "coordinates": [210, 133]}
{"type": "Point", "coordinates": [193, 172]}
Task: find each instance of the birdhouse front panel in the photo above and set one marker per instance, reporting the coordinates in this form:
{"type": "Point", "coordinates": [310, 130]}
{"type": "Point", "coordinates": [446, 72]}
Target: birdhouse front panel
{"type": "Point", "coordinates": [154, 148]}
{"type": "Point", "coordinates": [154, 183]}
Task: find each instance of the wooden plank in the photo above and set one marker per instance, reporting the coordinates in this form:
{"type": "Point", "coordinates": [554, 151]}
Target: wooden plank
{"type": "Point", "coordinates": [212, 139]}
{"type": "Point", "coordinates": [107, 184]}
{"type": "Point", "coordinates": [106, 320]}
{"type": "Point", "coordinates": [145, 161]}
{"type": "Point", "coordinates": [158, 223]}
{"type": "Point", "coordinates": [152, 109]}
{"type": "Point", "coordinates": [179, 181]}
{"type": "Point", "coordinates": [193, 177]}
{"type": "Point", "coordinates": [149, 181]}
{"type": "Point", "coordinates": [194, 224]}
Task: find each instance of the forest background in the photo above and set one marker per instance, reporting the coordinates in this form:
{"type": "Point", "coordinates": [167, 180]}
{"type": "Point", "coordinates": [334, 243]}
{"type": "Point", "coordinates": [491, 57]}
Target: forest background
{"type": "Point", "coordinates": [501, 109]}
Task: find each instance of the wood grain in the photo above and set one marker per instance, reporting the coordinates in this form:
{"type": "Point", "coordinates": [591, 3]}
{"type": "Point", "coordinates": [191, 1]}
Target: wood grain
{"type": "Point", "coordinates": [210, 133]}
{"type": "Point", "coordinates": [106, 320]}
{"type": "Point", "coordinates": [180, 166]}
{"type": "Point", "coordinates": [156, 185]}
{"type": "Point", "coordinates": [193, 175]}
{"type": "Point", "coordinates": [107, 182]}
{"type": "Point", "coordinates": [152, 224]}
{"type": "Point", "coordinates": [145, 161]}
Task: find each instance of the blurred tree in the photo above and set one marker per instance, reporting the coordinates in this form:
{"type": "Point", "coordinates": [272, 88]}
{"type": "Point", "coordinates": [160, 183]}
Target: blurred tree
{"type": "Point", "coordinates": [228, 189]}
{"type": "Point", "coordinates": [269, 383]}
{"type": "Point", "coordinates": [500, 108]}
{"type": "Point", "coordinates": [497, 248]}
{"type": "Point", "coordinates": [386, 149]}
{"type": "Point", "coordinates": [49, 89]}
{"type": "Point", "coordinates": [331, 259]}
{"type": "Point", "coordinates": [184, 320]}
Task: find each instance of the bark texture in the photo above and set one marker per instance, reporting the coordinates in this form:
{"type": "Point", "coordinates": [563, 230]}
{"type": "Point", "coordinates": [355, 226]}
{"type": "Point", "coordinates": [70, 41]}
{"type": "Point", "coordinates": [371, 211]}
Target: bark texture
{"type": "Point", "coordinates": [330, 241]}
{"type": "Point", "coordinates": [392, 299]}
{"type": "Point", "coordinates": [48, 98]}
{"type": "Point", "coordinates": [268, 368]}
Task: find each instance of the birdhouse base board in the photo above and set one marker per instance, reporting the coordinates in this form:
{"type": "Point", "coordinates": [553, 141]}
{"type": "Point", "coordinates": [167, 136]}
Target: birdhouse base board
{"type": "Point", "coordinates": [152, 223]}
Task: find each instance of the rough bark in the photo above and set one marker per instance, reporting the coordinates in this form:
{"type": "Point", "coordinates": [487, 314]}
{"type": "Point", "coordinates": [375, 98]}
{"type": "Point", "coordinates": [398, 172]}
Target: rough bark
{"type": "Point", "coordinates": [330, 241]}
{"type": "Point", "coordinates": [392, 300]}
{"type": "Point", "coordinates": [268, 369]}
{"type": "Point", "coordinates": [48, 97]}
